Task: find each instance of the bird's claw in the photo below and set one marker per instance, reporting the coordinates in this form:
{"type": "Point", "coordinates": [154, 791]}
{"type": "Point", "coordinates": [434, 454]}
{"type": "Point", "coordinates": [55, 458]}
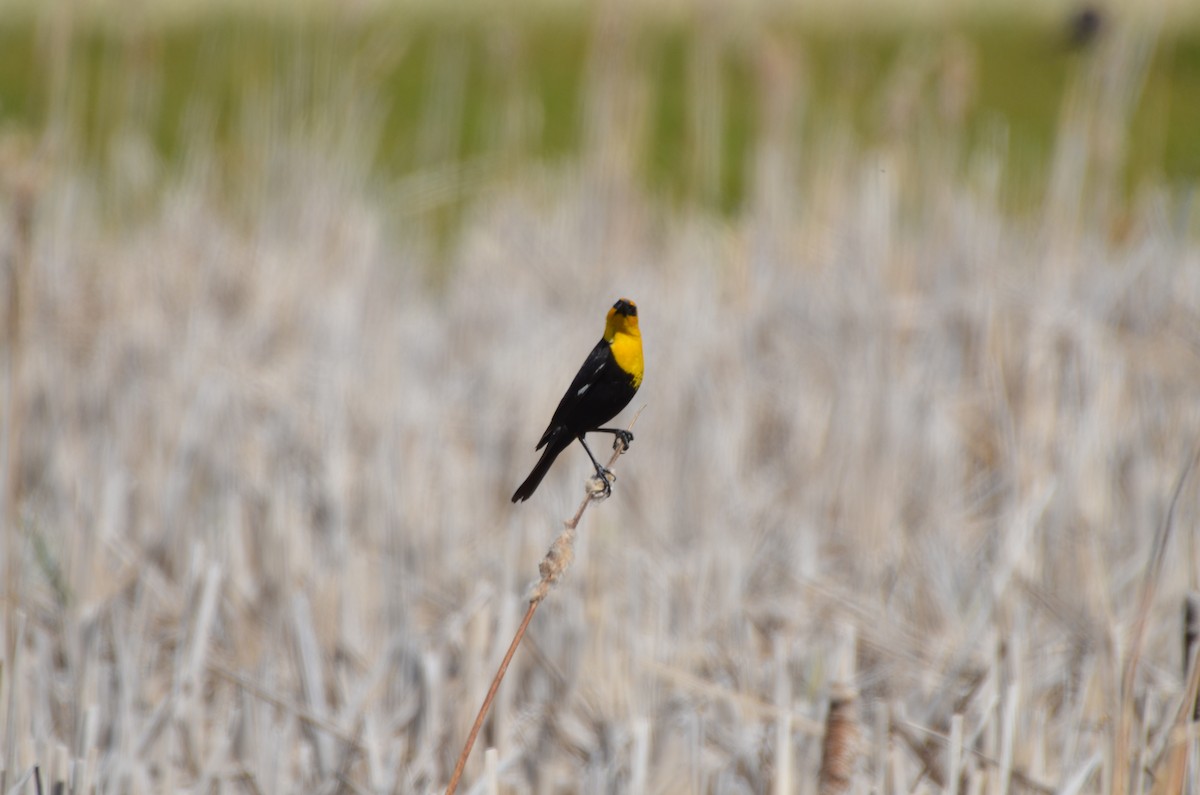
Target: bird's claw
{"type": "Point", "coordinates": [600, 486]}
{"type": "Point", "coordinates": [622, 438]}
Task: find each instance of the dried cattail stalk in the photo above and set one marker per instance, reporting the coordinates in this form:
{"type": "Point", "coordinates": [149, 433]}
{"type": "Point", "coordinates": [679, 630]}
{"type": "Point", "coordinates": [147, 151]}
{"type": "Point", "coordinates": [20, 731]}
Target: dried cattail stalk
{"type": "Point", "coordinates": [839, 748]}
{"type": "Point", "coordinates": [552, 568]}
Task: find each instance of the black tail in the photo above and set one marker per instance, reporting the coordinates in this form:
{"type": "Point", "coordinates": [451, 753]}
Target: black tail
{"type": "Point", "coordinates": [526, 489]}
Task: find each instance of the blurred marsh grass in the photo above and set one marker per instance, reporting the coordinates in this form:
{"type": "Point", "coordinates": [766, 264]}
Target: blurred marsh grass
{"type": "Point", "coordinates": [459, 88]}
{"type": "Point", "coordinates": [261, 442]}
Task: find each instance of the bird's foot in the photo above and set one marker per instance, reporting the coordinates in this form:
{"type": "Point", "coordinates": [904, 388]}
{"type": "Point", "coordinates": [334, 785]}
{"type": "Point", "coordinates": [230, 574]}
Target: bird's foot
{"type": "Point", "coordinates": [623, 439]}
{"type": "Point", "coordinates": [600, 486]}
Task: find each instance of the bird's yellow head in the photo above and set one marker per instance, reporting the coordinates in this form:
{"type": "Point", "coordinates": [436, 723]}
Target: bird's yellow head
{"type": "Point", "coordinates": [622, 333]}
{"type": "Point", "coordinates": [622, 319]}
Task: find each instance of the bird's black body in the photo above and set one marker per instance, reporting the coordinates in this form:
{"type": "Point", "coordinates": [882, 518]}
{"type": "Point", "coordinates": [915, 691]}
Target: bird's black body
{"type": "Point", "coordinates": [599, 391]}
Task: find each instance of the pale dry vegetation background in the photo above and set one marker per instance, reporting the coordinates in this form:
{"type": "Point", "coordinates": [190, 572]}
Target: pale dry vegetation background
{"type": "Point", "coordinates": [900, 442]}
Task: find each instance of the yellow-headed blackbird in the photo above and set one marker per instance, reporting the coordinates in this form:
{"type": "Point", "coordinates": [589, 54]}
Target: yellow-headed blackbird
{"type": "Point", "coordinates": [604, 385]}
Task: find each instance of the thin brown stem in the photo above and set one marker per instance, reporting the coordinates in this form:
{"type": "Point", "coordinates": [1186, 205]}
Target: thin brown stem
{"type": "Point", "coordinates": [552, 568]}
{"type": "Point", "coordinates": [491, 694]}
{"type": "Point", "coordinates": [1120, 781]}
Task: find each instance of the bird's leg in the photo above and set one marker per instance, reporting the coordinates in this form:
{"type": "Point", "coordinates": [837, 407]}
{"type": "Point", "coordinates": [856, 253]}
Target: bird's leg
{"type": "Point", "coordinates": [601, 472]}
{"type": "Point", "coordinates": [619, 434]}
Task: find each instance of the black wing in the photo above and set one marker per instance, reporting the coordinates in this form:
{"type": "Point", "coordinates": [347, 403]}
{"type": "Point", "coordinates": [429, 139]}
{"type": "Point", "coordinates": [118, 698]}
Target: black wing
{"type": "Point", "coordinates": [592, 367]}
